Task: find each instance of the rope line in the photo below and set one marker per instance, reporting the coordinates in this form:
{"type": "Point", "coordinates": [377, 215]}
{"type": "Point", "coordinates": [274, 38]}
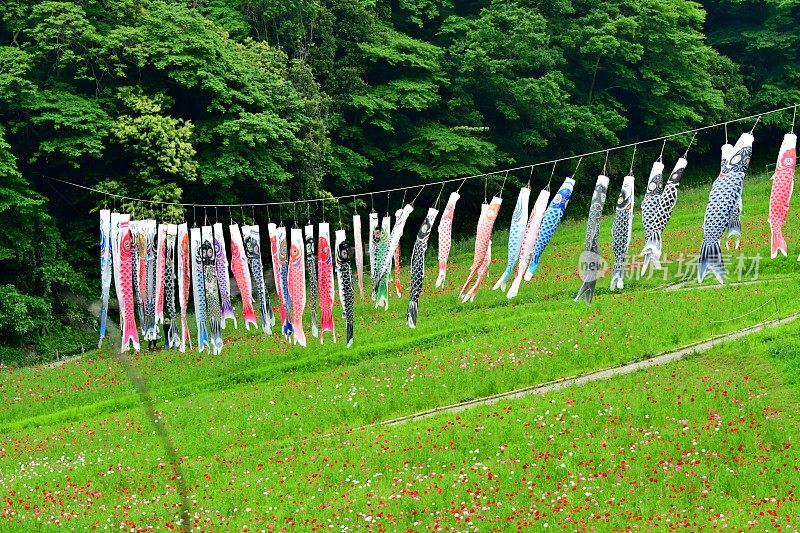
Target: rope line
{"type": "Point", "coordinates": [462, 179]}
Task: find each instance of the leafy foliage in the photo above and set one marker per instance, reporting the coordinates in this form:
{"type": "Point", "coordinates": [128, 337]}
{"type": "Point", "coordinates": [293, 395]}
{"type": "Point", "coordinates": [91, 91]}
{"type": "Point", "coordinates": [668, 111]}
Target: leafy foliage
{"type": "Point", "coordinates": [225, 101]}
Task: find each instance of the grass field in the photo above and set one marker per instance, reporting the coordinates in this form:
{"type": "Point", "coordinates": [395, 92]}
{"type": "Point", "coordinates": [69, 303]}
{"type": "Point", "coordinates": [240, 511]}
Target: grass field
{"type": "Point", "coordinates": [268, 433]}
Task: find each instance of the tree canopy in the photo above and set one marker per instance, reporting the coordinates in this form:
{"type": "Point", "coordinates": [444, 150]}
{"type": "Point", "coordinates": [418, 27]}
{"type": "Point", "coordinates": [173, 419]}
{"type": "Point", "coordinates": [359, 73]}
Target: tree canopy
{"type": "Point", "coordinates": [229, 101]}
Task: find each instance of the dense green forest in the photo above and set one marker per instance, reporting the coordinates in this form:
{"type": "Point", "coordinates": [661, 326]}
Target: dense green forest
{"type": "Point", "coordinates": [227, 101]}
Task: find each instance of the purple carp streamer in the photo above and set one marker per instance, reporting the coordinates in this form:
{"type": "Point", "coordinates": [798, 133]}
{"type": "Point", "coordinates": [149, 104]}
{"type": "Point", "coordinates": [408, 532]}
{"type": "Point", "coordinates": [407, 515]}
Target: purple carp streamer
{"type": "Point", "coordinates": [199, 291]}
{"type": "Point", "coordinates": [161, 263]}
{"type": "Point", "coordinates": [650, 210]}
{"type": "Point", "coordinates": [621, 233]}
{"type": "Point", "coordinates": [106, 270]}
{"type": "Point", "coordinates": [184, 282]}
{"type": "Point", "coordinates": [283, 268]}
{"type": "Point", "coordinates": [241, 273]}
{"type": "Point", "coordinates": [722, 200]}
{"type": "Point", "coordinates": [519, 222]}
{"type": "Point", "coordinates": [445, 235]}
{"type": "Point", "coordinates": [418, 266]}
{"type": "Point", "coordinates": [347, 293]}
{"type": "Point", "coordinates": [591, 246]}
{"type": "Point", "coordinates": [209, 259]}
{"type": "Point", "coordinates": [274, 247]}
{"type": "Point", "coordinates": [359, 248]}
{"type": "Point", "coordinates": [223, 281]}
{"type": "Point", "coordinates": [482, 242]}
{"type": "Point", "coordinates": [252, 246]}
{"type": "Point", "coordinates": [311, 275]}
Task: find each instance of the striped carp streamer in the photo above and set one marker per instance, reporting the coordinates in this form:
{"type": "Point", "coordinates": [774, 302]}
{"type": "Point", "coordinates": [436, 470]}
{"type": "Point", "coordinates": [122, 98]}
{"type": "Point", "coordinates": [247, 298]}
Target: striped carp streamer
{"type": "Point", "coordinates": [445, 236]}
{"type": "Point", "coordinates": [382, 299]}
{"type": "Point", "coordinates": [722, 201]}
{"type": "Point", "coordinates": [297, 284]}
{"type": "Point", "coordinates": [252, 247]}
{"type": "Point", "coordinates": [529, 239]}
{"type": "Point", "coordinates": [590, 258]}
{"type": "Point", "coordinates": [726, 151]}
{"type": "Point", "coordinates": [106, 270]}
{"type": "Point", "coordinates": [380, 290]}
{"type": "Point", "coordinates": [782, 186]}
{"type": "Point", "coordinates": [184, 282]}
{"type": "Point", "coordinates": [130, 336]}
{"type": "Point", "coordinates": [199, 290]}
{"type": "Point", "coordinates": [666, 203]}
{"type": "Point", "coordinates": [482, 240]}
{"type": "Point", "coordinates": [241, 273]}
{"type": "Point", "coordinates": [214, 309]}
{"type": "Point", "coordinates": [223, 280]}
{"type": "Point", "coordinates": [161, 271]}
{"type": "Point", "coordinates": [325, 273]}
{"type": "Point", "coordinates": [311, 277]}
{"type": "Point", "coordinates": [346, 289]}
{"type": "Point", "coordinates": [650, 210]}
{"type": "Point", "coordinates": [418, 266]}
{"type": "Point", "coordinates": [150, 327]}
{"type": "Point", "coordinates": [621, 232]}
{"type": "Point", "coordinates": [374, 236]}
{"type": "Point", "coordinates": [519, 222]}
{"type": "Point", "coordinates": [274, 247]}
{"type": "Point", "coordinates": [359, 250]}
{"type": "Point", "coordinates": [138, 269]}
{"type": "Point", "coordinates": [550, 221]}
{"type": "Point", "coordinates": [173, 339]}
{"type": "Point", "coordinates": [734, 227]}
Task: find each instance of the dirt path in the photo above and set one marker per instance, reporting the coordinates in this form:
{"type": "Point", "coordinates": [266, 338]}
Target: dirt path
{"type": "Point", "coordinates": [598, 375]}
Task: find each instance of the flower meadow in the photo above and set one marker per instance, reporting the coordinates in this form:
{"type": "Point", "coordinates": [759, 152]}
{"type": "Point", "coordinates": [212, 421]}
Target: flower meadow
{"type": "Point", "coordinates": [273, 437]}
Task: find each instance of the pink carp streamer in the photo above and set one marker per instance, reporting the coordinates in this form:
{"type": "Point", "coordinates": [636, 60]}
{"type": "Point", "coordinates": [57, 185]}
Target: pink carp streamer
{"type": "Point", "coordinates": [359, 247]}
{"type": "Point", "coordinates": [528, 240]}
{"type": "Point", "coordinates": [184, 282]}
{"type": "Point", "coordinates": [241, 273]}
{"type": "Point", "coordinates": [325, 273]}
{"type": "Point", "coordinates": [297, 284]}
{"type": "Point", "coordinates": [782, 186]}
{"type": "Point", "coordinates": [445, 232]}
{"type": "Point", "coordinates": [130, 336]}
{"type": "Point", "coordinates": [482, 241]}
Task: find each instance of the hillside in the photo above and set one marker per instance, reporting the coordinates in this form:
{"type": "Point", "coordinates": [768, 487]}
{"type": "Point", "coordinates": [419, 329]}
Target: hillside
{"type": "Point", "coordinates": [268, 438]}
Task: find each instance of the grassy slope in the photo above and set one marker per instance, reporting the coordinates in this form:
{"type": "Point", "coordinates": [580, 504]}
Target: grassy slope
{"type": "Point", "coordinates": [272, 393]}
